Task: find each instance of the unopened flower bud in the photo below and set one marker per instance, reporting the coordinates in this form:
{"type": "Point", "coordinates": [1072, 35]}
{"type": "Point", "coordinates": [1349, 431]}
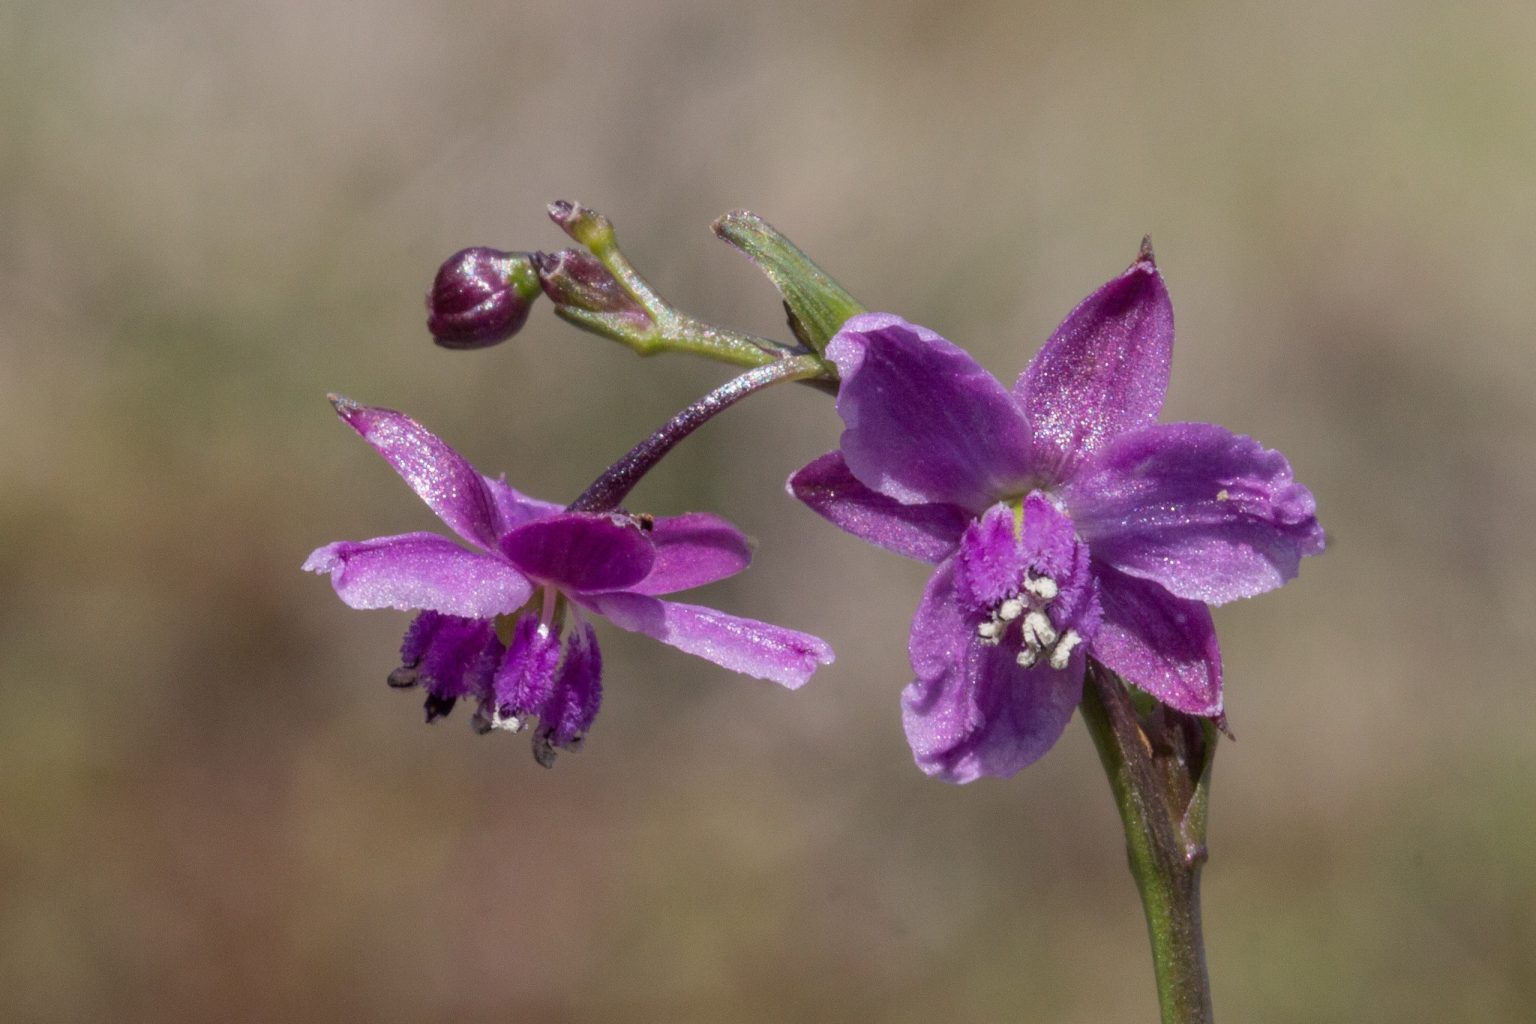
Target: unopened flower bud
{"type": "Point", "coordinates": [481, 297]}
{"type": "Point", "coordinates": [575, 279]}
{"type": "Point", "coordinates": [582, 223]}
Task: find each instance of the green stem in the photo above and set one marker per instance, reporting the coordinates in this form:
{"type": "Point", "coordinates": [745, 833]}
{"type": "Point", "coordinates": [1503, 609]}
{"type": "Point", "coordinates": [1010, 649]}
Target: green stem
{"type": "Point", "coordinates": [669, 330]}
{"type": "Point", "coordinates": [676, 333]}
{"type": "Point", "coordinates": [1160, 771]}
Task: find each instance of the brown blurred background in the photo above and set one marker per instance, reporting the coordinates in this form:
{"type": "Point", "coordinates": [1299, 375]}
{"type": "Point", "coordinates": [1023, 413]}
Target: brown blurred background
{"type": "Point", "coordinates": [212, 808]}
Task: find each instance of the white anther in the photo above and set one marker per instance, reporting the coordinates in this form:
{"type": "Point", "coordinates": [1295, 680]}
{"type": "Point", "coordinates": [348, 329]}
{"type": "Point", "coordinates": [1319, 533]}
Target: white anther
{"type": "Point", "coordinates": [1042, 587]}
{"type": "Point", "coordinates": [1062, 652]}
{"type": "Point", "coordinates": [1011, 609]}
{"type": "Point", "coordinates": [507, 723]}
{"type": "Point", "coordinates": [1038, 631]}
{"type": "Point", "coordinates": [1026, 658]}
{"type": "Point", "coordinates": [1223, 495]}
{"type": "Point", "coordinates": [989, 631]}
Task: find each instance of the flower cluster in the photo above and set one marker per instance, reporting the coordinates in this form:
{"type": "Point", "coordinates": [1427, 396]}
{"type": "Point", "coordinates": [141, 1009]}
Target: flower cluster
{"type": "Point", "coordinates": [1064, 522]}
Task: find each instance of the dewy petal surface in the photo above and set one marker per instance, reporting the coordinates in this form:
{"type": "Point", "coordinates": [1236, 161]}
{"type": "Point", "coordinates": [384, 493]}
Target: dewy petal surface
{"type": "Point", "coordinates": [758, 649]}
{"type": "Point", "coordinates": [692, 550]}
{"type": "Point", "coordinates": [940, 705]}
{"type": "Point", "coordinates": [924, 423]}
{"type": "Point", "coordinates": [420, 570]}
{"type": "Point", "coordinates": [440, 476]}
{"type": "Point", "coordinates": [973, 711]}
{"type": "Point", "coordinates": [926, 532]}
{"type": "Point", "coordinates": [517, 508]}
{"type": "Point", "coordinates": [1162, 644]}
{"type": "Point", "coordinates": [1104, 371]}
{"type": "Point", "coordinates": [1209, 514]}
{"type": "Point", "coordinates": [581, 551]}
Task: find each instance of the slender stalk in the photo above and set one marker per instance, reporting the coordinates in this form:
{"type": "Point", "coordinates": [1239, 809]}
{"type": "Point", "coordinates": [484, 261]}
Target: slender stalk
{"type": "Point", "coordinates": [608, 490]}
{"type": "Point", "coordinates": [669, 329]}
{"type": "Point", "coordinates": [1160, 771]}
{"type": "Point", "coordinates": [675, 332]}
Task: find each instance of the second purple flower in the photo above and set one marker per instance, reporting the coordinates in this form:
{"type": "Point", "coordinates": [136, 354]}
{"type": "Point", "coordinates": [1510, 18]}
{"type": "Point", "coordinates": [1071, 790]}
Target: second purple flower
{"type": "Point", "coordinates": [505, 624]}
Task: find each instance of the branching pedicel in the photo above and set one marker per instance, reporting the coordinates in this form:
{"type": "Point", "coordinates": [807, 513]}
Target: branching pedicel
{"type": "Point", "coordinates": [1073, 537]}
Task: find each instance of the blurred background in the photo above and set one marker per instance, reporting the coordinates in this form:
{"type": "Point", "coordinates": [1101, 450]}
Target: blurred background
{"type": "Point", "coordinates": [212, 808]}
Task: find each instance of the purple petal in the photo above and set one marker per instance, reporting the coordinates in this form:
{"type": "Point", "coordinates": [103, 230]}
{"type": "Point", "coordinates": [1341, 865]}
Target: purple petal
{"type": "Point", "coordinates": [972, 710]}
{"type": "Point", "coordinates": [924, 422]}
{"type": "Point", "coordinates": [418, 637]}
{"type": "Point", "coordinates": [451, 656]}
{"type": "Point", "coordinates": [1209, 514]}
{"type": "Point", "coordinates": [420, 570]}
{"type": "Point", "coordinates": [1162, 644]}
{"type": "Point", "coordinates": [926, 532]}
{"type": "Point", "coordinates": [581, 551]}
{"type": "Point", "coordinates": [1105, 369]}
{"type": "Point", "coordinates": [526, 677]}
{"type": "Point", "coordinates": [990, 562]}
{"type": "Point", "coordinates": [578, 693]}
{"type": "Point", "coordinates": [459, 659]}
{"type": "Point", "coordinates": [943, 633]}
{"type": "Point", "coordinates": [692, 550]}
{"type": "Point", "coordinates": [747, 646]}
{"type": "Point", "coordinates": [517, 508]}
{"type": "Point", "coordinates": [1049, 540]}
{"type": "Point", "coordinates": [440, 476]}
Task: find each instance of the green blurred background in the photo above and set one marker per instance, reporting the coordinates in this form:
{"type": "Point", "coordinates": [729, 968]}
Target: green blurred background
{"type": "Point", "coordinates": [212, 808]}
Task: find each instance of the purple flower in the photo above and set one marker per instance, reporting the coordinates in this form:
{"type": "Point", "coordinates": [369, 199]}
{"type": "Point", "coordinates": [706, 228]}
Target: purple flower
{"type": "Point", "coordinates": [504, 623]}
{"type": "Point", "coordinates": [1064, 521]}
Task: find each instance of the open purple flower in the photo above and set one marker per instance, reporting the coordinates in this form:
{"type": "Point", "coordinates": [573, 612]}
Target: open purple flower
{"type": "Point", "coordinates": [505, 625]}
{"type": "Point", "coordinates": [1064, 521]}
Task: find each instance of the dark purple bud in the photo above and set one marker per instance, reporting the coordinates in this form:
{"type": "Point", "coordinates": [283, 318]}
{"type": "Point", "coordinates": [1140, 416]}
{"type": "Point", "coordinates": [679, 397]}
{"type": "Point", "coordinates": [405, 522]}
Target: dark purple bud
{"type": "Point", "coordinates": [576, 279]}
{"type": "Point", "coordinates": [481, 297]}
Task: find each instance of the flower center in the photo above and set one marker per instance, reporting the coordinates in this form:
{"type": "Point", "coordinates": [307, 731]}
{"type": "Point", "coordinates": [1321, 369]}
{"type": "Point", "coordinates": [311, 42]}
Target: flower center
{"type": "Point", "coordinates": [1024, 576]}
{"type": "Point", "coordinates": [1030, 606]}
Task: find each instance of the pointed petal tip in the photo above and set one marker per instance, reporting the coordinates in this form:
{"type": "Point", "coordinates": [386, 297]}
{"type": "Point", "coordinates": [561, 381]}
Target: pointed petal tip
{"type": "Point", "coordinates": [321, 559]}
{"type": "Point", "coordinates": [345, 407]}
{"type": "Point", "coordinates": [1144, 254]}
